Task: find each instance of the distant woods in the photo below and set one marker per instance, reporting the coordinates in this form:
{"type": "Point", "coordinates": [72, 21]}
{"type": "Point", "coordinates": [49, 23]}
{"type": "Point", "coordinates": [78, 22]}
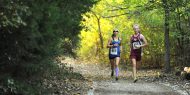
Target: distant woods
{"type": "Point", "coordinates": [165, 23]}
{"type": "Point", "coordinates": [32, 32]}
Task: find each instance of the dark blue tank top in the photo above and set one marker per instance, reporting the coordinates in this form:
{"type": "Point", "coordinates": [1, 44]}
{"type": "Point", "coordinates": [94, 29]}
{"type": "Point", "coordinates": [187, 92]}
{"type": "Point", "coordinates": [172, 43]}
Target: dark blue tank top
{"type": "Point", "coordinates": [115, 51]}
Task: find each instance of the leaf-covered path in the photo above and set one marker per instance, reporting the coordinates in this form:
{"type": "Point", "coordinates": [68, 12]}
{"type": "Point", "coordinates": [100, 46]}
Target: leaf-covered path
{"type": "Point", "coordinates": [103, 84]}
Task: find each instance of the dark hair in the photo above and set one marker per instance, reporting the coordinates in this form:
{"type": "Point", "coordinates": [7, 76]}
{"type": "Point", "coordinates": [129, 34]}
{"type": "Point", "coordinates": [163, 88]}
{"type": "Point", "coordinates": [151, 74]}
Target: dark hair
{"type": "Point", "coordinates": [115, 31]}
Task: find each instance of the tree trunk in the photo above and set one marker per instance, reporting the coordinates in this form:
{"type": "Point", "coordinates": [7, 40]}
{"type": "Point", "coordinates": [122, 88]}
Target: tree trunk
{"type": "Point", "coordinates": [181, 38]}
{"type": "Point", "coordinates": [166, 29]}
{"type": "Point", "coordinates": [100, 34]}
{"type": "Point", "coordinates": [99, 29]}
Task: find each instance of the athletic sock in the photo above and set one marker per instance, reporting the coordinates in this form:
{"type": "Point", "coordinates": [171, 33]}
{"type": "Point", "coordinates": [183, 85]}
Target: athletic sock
{"type": "Point", "coordinates": [116, 71]}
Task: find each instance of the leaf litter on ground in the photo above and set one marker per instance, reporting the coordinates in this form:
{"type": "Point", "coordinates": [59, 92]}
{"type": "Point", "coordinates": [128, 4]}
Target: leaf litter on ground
{"type": "Point", "coordinates": [94, 71]}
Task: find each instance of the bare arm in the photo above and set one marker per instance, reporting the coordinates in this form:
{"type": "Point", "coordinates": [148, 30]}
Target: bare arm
{"type": "Point", "coordinates": [145, 42]}
{"type": "Point", "coordinates": [109, 44]}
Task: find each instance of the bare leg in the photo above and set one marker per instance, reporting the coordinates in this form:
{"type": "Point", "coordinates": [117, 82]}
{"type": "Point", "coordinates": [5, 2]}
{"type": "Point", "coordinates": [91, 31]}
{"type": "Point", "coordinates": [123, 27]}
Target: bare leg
{"type": "Point", "coordinates": [134, 69]}
{"type": "Point", "coordinates": [112, 66]}
{"type": "Point", "coordinates": [117, 60]}
{"type": "Point", "coordinates": [138, 63]}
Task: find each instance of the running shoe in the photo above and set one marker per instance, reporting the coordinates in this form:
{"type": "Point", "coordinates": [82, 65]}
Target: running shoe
{"type": "Point", "coordinates": [116, 78]}
{"type": "Point", "coordinates": [135, 80]}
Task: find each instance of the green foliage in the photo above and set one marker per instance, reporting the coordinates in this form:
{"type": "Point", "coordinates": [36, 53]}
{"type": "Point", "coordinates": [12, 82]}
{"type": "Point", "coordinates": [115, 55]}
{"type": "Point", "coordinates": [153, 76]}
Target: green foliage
{"type": "Point", "coordinates": [33, 32]}
{"type": "Point", "coordinates": [39, 28]}
{"type": "Point", "coordinates": [149, 14]}
{"type": "Point", "coordinates": [12, 12]}
{"type": "Point", "coordinates": [119, 15]}
{"type": "Point", "coordinates": [10, 86]}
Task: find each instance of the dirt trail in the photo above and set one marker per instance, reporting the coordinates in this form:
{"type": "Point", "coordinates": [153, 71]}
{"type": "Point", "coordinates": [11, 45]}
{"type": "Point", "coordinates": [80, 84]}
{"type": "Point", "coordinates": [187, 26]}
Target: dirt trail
{"type": "Point", "coordinates": [103, 84]}
{"type": "Point", "coordinates": [127, 87]}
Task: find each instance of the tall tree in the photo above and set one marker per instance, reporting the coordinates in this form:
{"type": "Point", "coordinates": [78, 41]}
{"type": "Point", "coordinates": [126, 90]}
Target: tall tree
{"type": "Point", "coordinates": [98, 18]}
{"type": "Point", "coordinates": [166, 30]}
{"type": "Point", "coordinates": [33, 32]}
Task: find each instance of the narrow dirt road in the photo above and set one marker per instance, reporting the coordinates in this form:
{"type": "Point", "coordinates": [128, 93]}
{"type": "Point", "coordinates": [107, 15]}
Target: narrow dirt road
{"type": "Point", "coordinates": [127, 87]}
{"type": "Point", "coordinates": [103, 84]}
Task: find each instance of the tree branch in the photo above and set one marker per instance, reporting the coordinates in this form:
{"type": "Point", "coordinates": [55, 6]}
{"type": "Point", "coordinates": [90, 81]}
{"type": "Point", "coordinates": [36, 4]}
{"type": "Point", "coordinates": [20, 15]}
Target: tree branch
{"type": "Point", "coordinates": [118, 8]}
{"type": "Point", "coordinates": [115, 15]}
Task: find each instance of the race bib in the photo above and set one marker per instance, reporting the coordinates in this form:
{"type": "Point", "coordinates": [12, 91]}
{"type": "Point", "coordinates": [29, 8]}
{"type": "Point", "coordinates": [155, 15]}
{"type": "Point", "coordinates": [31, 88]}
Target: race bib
{"type": "Point", "coordinates": [136, 45]}
{"type": "Point", "coordinates": [113, 51]}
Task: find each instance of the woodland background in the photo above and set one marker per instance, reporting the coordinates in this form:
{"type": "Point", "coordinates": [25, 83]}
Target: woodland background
{"type": "Point", "coordinates": [34, 33]}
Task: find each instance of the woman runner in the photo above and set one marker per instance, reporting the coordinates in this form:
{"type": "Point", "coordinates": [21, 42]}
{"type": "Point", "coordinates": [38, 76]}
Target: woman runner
{"type": "Point", "coordinates": [114, 45]}
{"type": "Point", "coordinates": [137, 42]}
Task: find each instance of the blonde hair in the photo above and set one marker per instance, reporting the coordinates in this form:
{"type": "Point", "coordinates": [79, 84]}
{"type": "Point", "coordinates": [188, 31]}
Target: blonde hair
{"type": "Point", "coordinates": [135, 26]}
